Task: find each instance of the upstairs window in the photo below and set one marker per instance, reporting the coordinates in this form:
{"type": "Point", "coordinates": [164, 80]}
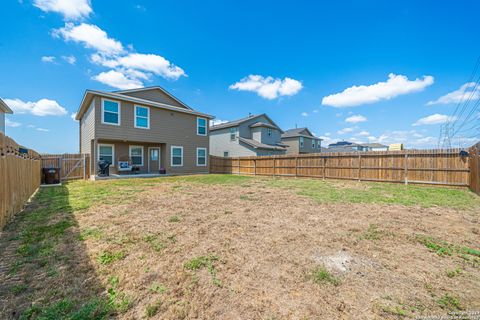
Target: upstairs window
{"type": "Point", "coordinates": [301, 142]}
{"type": "Point", "coordinates": [201, 126]}
{"type": "Point", "coordinates": [233, 133]}
{"type": "Point", "coordinates": [319, 144]}
{"type": "Point", "coordinates": [201, 157]}
{"type": "Point", "coordinates": [313, 144]}
{"type": "Point", "coordinates": [176, 156]}
{"type": "Point", "coordinates": [269, 132]}
{"type": "Point", "coordinates": [110, 112]}
{"type": "Point", "coordinates": [142, 117]}
{"type": "Point", "coordinates": [136, 155]}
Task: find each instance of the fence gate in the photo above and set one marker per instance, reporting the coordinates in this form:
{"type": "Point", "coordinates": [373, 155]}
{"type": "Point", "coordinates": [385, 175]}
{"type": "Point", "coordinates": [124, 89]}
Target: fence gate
{"type": "Point", "coordinates": [72, 166]}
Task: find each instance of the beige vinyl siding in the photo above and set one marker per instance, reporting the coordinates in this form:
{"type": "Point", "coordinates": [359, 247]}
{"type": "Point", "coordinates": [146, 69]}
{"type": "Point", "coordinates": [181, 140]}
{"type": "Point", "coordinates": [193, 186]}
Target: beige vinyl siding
{"type": "Point", "coordinates": [154, 95]}
{"type": "Point", "coordinates": [87, 129]}
{"type": "Point", "coordinates": [166, 127]}
{"type": "Point", "coordinates": [294, 145]}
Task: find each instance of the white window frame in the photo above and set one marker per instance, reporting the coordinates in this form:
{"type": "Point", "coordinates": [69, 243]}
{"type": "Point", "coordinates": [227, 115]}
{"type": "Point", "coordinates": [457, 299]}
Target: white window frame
{"type": "Point", "coordinates": [206, 126]}
{"type": "Point", "coordinates": [301, 142]}
{"type": "Point", "coordinates": [135, 117]}
{"type": "Point", "coordinates": [319, 144]}
{"type": "Point", "coordinates": [269, 132]}
{"type": "Point", "coordinates": [226, 156]}
{"type": "Point", "coordinates": [313, 144]}
{"type": "Point", "coordinates": [130, 147]}
{"type": "Point", "coordinates": [171, 156]}
{"type": "Point", "coordinates": [206, 157]}
{"type": "Point", "coordinates": [106, 145]}
{"type": "Point", "coordinates": [119, 112]}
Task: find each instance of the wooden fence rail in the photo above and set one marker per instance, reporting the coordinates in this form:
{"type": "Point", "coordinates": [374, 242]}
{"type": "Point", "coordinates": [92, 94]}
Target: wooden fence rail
{"type": "Point", "coordinates": [436, 167]}
{"type": "Point", "coordinates": [19, 177]}
{"type": "Point", "coordinates": [72, 165]}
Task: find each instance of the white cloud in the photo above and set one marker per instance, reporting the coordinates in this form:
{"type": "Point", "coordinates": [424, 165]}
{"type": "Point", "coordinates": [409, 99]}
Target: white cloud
{"type": "Point", "coordinates": [304, 114]}
{"type": "Point", "coordinates": [91, 37]}
{"type": "Point", "coordinates": [48, 59]}
{"type": "Point", "coordinates": [42, 130]}
{"type": "Point", "coordinates": [70, 59]}
{"type": "Point", "coordinates": [356, 119]}
{"type": "Point", "coordinates": [268, 87]}
{"type": "Point", "coordinates": [73, 115]}
{"type": "Point", "coordinates": [153, 63]}
{"type": "Point", "coordinates": [12, 124]}
{"type": "Point", "coordinates": [117, 79]}
{"type": "Point", "coordinates": [70, 9]}
{"type": "Point", "coordinates": [216, 122]}
{"type": "Point", "coordinates": [433, 119]}
{"type": "Point", "coordinates": [43, 107]}
{"type": "Point", "coordinates": [395, 85]}
{"type": "Point", "coordinates": [460, 95]}
{"type": "Point", "coordinates": [363, 133]}
{"type": "Point", "coordinates": [315, 111]}
{"type": "Point", "coordinates": [345, 130]}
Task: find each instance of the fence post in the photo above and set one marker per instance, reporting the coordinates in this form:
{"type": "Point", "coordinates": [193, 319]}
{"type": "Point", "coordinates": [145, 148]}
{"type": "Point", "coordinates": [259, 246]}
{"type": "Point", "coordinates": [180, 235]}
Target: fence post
{"type": "Point", "coordinates": [359, 166]}
{"type": "Point", "coordinates": [405, 170]}
{"type": "Point", "coordinates": [273, 165]}
{"type": "Point", "coordinates": [255, 167]}
{"type": "Point", "coordinates": [238, 166]}
{"type": "Point", "coordinates": [324, 166]}
{"type": "Point", "coordinates": [296, 166]}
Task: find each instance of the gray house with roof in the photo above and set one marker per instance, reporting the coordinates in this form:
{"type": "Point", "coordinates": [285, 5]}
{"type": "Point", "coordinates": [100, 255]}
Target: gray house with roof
{"type": "Point", "coordinates": [301, 140]}
{"type": "Point", "coordinates": [3, 110]}
{"type": "Point", "coordinates": [255, 135]}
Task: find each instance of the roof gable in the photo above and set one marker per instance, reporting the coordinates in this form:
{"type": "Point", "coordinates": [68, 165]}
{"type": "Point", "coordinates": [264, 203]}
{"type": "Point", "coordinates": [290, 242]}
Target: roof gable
{"type": "Point", "coordinates": [298, 132]}
{"type": "Point", "coordinates": [4, 108]}
{"type": "Point", "coordinates": [156, 94]}
{"type": "Point", "coordinates": [241, 121]}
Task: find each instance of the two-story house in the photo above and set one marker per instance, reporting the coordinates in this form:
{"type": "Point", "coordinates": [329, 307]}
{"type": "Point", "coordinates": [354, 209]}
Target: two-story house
{"type": "Point", "coordinates": [147, 128]}
{"type": "Point", "coordinates": [301, 140]}
{"type": "Point", "coordinates": [255, 135]}
{"type": "Point", "coordinates": [3, 110]}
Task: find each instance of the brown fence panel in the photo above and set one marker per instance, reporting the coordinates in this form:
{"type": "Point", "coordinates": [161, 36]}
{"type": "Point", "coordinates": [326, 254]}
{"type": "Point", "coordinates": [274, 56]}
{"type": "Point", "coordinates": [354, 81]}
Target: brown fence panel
{"type": "Point", "coordinates": [437, 167]}
{"type": "Point", "coordinates": [72, 165]}
{"type": "Point", "coordinates": [474, 153]}
{"type": "Point", "coordinates": [19, 177]}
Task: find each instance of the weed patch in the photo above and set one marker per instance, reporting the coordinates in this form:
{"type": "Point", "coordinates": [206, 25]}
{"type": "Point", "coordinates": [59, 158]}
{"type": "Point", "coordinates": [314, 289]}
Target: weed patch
{"type": "Point", "coordinates": [204, 262]}
{"type": "Point", "coordinates": [108, 257]}
{"type": "Point", "coordinates": [321, 275]}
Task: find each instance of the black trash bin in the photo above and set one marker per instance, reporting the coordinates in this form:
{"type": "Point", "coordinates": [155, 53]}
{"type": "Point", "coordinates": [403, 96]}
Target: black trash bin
{"type": "Point", "coordinates": [51, 175]}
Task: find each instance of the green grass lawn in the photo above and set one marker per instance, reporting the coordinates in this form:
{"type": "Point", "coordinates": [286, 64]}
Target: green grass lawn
{"type": "Point", "coordinates": [379, 193]}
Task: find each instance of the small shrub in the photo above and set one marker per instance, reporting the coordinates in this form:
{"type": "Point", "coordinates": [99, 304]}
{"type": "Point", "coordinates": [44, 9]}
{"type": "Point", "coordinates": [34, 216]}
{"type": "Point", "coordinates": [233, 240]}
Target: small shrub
{"type": "Point", "coordinates": [108, 257]}
{"type": "Point", "coordinates": [322, 275]}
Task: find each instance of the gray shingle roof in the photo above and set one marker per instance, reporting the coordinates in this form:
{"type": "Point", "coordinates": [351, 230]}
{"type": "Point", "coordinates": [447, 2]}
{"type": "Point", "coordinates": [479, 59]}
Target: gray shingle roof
{"type": "Point", "coordinates": [298, 132]}
{"type": "Point", "coordinates": [4, 107]}
{"type": "Point", "coordinates": [259, 145]}
{"type": "Point", "coordinates": [235, 123]}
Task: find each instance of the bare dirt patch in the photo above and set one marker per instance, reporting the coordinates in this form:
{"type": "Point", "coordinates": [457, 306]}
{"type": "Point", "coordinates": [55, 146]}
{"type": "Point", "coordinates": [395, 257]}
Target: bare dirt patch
{"type": "Point", "coordinates": [181, 250]}
{"type": "Point", "coordinates": [266, 242]}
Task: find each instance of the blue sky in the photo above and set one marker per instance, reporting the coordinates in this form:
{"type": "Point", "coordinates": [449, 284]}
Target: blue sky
{"type": "Point", "coordinates": [378, 71]}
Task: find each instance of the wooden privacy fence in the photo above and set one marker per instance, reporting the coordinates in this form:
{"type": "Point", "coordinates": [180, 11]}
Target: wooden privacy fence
{"type": "Point", "coordinates": [439, 167]}
{"type": "Point", "coordinates": [474, 153]}
{"type": "Point", "coordinates": [72, 165]}
{"type": "Point", "coordinates": [19, 177]}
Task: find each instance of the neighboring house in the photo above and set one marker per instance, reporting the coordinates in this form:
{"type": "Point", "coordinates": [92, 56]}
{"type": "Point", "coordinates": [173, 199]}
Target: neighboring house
{"type": "Point", "coordinates": [147, 127]}
{"type": "Point", "coordinates": [301, 140]}
{"type": "Point", "coordinates": [255, 135]}
{"type": "Point", "coordinates": [3, 110]}
{"type": "Point", "coordinates": [346, 146]}
{"type": "Point", "coordinates": [375, 147]}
